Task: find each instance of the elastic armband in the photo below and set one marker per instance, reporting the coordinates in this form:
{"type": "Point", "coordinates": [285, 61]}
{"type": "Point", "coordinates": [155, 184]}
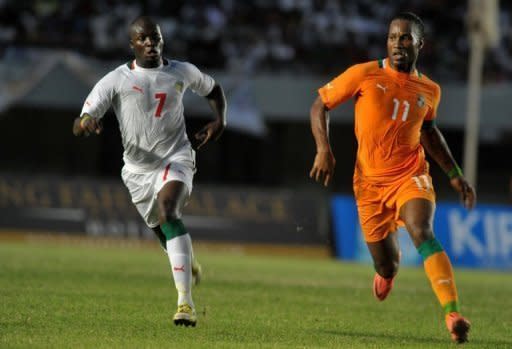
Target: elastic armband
{"type": "Point", "coordinates": [454, 172]}
{"type": "Point", "coordinates": [83, 119]}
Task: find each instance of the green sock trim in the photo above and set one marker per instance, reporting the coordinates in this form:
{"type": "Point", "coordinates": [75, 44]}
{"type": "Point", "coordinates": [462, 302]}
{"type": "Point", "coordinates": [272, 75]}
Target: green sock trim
{"type": "Point", "coordinates": [451, 307]}
{"type": "Point", "coordinates": [429, 247]}
{"type": "Point", "coordinates": [173, 229]}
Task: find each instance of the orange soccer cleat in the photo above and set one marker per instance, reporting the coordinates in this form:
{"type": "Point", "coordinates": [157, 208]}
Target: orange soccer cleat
{"type": "Point", "coordinates": [458, 327]}
{"type": "Point", "coordinates": [382, 286]}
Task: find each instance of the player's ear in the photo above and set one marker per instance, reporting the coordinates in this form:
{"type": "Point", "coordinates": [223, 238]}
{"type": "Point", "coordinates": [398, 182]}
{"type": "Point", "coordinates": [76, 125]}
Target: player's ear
{"type": "Point", "coordinates": [131, 45]}
{"type": "Point", "coordinates": [422, 42]}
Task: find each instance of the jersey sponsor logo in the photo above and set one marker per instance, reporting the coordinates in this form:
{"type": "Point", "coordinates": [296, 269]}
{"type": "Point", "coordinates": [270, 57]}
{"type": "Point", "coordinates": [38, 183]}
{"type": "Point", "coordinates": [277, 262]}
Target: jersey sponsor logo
{"type": "Point", "coordinates": [182, 268]}
{"type": "Point", "coordinates": [420, 101]}
{"type": "Point", "coordinates": [138, 89]}
{"type": "Point", "coordinates": [178, 86]}
{"type": "Point", "coordinates": [382, 87]}
{"type": "Point", "coordinates": [87, 103]}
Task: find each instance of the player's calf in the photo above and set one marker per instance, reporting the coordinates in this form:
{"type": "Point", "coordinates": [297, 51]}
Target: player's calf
{"type": "Point", "coordinates": [197, 272]}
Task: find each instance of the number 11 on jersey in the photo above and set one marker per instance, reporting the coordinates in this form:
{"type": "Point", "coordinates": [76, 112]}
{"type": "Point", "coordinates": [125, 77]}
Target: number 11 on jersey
{"type": "Point", "coordinates": [396, 103]}
{"type": "Point", "coordinates": [161, 101]}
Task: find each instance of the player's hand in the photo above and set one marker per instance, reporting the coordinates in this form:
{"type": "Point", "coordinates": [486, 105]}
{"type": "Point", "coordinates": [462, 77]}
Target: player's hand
{"type": "Point", "coordinates": [466, 191]}
{"type": "Point", "coordinates": [86, 125]}
{"type": "Point", "coordinates": [323, 167]}
{"type": "Point", "coordinates": [212, 130]}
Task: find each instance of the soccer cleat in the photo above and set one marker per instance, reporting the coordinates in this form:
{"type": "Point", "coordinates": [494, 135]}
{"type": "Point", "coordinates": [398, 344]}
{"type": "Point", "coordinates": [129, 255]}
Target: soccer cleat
{"type": "Point", "coordinates": [186, 315]}
{"type": "Point", "coordinates": [382, 286]}
{"type": "Point", "coordinates": [458, 327]}
{"type": "Point", "coordinates": [197, 272]}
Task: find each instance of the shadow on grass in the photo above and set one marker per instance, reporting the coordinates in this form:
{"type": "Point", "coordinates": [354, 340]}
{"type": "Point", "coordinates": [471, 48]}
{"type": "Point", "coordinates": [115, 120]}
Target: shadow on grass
{"type": "Point", "coordinates": [9, 324]}
{"type": "Point", "coordinates": [425, 340]}
{"type": "Point", "coordinates": [356, 334]}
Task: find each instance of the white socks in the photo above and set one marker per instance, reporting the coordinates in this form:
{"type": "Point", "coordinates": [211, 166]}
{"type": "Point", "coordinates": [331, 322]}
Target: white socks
{"type": "Point", "coordinates": [179, 250]}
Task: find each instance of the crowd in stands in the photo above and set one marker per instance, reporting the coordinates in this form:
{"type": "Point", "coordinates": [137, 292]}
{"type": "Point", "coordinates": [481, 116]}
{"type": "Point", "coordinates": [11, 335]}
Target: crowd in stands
{"type": "Point", "coordinates": [292, 36]}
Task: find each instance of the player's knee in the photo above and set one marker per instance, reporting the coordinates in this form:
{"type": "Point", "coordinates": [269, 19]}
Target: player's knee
{"type": "Point", "coordinates": [170, 210]}
{"type": "Point", "coordinates": [387, 269]}
{"type": "Point", "coordinates": [420, 233]}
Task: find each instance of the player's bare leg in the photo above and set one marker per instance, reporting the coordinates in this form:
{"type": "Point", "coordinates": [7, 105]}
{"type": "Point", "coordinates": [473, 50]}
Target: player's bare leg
{"type": "Point", "coordinates": [386, 259]}
{"type": "Point", "coordinates": [418, 216]}
{"type": "Point", "coordinates": [161, 238]}
{"type": "Point", "coordinates": [171, 199]}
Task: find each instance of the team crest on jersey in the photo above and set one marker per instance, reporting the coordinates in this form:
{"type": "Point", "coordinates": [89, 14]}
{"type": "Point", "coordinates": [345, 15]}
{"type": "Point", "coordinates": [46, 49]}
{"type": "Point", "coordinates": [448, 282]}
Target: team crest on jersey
{"type": "Point", "coordinates": [421, 101]}
{"type": "Point", "coordinates": [178, 86]}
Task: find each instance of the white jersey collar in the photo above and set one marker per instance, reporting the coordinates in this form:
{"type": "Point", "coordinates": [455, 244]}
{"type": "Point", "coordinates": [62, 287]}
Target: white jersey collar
{"type": "Point", "coordinates": [138, 68]}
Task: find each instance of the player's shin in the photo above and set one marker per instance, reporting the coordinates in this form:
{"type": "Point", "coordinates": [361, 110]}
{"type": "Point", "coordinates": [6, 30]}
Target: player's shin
{"type": "Point", "coordinates": [440, 273]}
{"type": "Point", "coordinates": [179, 250]}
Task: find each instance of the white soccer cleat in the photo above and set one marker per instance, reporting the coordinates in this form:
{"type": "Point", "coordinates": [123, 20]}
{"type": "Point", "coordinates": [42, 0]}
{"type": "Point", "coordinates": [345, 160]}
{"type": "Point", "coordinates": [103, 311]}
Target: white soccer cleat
{"type": "Point", "coordinates": [185, 315]}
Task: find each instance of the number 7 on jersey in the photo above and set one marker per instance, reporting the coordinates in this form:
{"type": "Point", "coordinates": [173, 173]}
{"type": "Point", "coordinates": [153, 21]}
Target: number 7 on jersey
{"type": "Point", "coordinates": [161, 101]}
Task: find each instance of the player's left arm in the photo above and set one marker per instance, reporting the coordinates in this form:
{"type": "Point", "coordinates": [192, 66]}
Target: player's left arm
{"type": "Point", "coordinates": [435, 145]}
{"type": "Point", "coordinates": [213, 130]}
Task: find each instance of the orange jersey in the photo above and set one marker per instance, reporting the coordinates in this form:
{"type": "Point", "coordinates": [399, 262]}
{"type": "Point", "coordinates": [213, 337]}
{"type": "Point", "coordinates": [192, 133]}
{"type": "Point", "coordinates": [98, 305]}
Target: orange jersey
{"type": "Point", "coordinates": [390, 108]}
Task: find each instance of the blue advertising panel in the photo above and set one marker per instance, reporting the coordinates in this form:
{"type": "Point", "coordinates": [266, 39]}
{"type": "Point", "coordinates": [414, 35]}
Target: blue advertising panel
{"type": "Point", "coordinates": [481, 238]}
{"type": "Point", "coordinates": [478, 238]}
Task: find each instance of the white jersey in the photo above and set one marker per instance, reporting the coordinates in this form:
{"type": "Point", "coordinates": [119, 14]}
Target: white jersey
{"type": "Point", "coordinates": [148, 103]}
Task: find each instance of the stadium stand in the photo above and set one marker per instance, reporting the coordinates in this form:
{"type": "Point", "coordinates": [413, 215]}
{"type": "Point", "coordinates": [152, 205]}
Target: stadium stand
{"type": "Point", "coordinates": [298, 36]}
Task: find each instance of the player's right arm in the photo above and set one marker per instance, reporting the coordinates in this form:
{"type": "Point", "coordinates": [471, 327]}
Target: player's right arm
{"type": "Point", "coordinates": [330, 96]}
{"type": "Point", "coordinates": [323, 166]}
{"type": "Point", "coordinates": [95, 106]}
{"type": "Point", "coordinates": [86, 124]}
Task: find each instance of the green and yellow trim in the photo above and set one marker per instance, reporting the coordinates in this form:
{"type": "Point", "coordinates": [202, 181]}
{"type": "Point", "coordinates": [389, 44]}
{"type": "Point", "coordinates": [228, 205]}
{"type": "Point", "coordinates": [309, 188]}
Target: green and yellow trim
{"type": "Point", "coordinates": [451, 307]}
{"type": "Point", "coordinates": [429, 247]}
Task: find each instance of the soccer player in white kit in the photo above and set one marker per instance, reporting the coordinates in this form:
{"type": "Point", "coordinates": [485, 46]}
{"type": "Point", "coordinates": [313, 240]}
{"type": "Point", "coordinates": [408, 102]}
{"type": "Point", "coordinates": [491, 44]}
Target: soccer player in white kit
{"type": "Point", "coordinates": [159, 161]}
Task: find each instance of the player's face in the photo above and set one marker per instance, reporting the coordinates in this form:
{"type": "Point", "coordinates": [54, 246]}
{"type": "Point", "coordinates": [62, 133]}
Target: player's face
{"type": "Point", "coordinates": [404, 44]}
{"type": "Point", "coordinates": [147, 43]}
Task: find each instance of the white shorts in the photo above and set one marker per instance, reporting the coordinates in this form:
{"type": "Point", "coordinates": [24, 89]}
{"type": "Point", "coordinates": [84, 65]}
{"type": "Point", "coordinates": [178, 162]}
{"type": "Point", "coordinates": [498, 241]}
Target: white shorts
{"type": "Point", "coordinates": [144, 187]}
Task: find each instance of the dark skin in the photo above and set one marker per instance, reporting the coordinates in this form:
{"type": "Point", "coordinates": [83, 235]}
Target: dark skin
{"type": "Point", "coordinates": [147, 43]}
{"type": "Point", "coordinates": [403, 45]}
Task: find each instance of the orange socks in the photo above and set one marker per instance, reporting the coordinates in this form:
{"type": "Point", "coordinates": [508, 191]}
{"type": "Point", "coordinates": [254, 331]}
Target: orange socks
{"type": "Point", "coordinates": [439, 271]}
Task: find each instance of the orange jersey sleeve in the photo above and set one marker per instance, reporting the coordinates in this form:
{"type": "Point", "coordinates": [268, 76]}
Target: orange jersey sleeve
{"type": "Point", "coordinates": [432, 112]}
{"type": "Point", "coordinates": [344, 86]}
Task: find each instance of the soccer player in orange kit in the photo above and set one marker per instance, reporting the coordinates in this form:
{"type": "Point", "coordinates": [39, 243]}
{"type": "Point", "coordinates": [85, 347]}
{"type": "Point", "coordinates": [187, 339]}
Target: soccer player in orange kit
{"type": "Point", "coordinates": [395, 112]}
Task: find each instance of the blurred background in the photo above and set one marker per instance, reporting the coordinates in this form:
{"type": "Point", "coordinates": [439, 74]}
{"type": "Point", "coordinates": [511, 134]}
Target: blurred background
{"type": "Point", "coordinates": [270, 56]}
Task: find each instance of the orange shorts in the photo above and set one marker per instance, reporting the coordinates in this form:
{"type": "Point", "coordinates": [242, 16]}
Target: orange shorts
{"type": "Point", "coordinates": [379, 205]}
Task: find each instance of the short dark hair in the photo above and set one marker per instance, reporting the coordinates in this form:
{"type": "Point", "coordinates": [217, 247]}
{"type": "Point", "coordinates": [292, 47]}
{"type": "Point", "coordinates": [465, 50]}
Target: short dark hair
{"type": "Point", "coordinates": [411, 17]}
{"type": "Point", "coordinates": [142, 19]}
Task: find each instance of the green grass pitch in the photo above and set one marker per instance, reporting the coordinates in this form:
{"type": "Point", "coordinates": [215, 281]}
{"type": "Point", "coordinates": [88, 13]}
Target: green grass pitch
{"type": "Point", "coordinates": [82, 296]}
